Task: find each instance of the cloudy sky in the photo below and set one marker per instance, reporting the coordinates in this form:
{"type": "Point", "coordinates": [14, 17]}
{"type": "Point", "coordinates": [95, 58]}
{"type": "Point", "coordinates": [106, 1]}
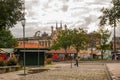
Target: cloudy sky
{"type": "Point", "coordinates": [42, 14]}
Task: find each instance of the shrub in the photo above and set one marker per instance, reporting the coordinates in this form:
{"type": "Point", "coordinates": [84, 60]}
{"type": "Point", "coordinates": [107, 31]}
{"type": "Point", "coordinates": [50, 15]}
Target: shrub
{"type": "Point", "coordinates": [2, 62]}
{"type": "Point", "coordinates": [11, 62]}
{"type": "Point", "coordinates": [48, 61]}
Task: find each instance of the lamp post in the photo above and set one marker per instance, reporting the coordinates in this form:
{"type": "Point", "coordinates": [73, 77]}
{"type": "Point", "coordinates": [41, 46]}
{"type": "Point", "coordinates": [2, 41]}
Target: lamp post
{"type": "Point", "coordinates": [23, 25]}
{"type": "Point", "coordinates": [37, 34]}
{"type": "Point", "coordinates": [38, 47]}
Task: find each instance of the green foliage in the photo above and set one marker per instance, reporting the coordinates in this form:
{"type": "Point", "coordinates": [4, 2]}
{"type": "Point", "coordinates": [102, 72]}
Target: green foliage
{"type": "Point", "coordinates": [48, 61]}
{"type": "Point", "coordinates": [7, 40]}
{"type": "Point", "coordinates": [11, 62]}
{"type": "Point", "coordinates": [10, 13]}
{"type": "Point", "coordinates": [110, 15]}
{"type": "Point", "coordinates": [94, 39]}
{"type": "Point", "coordinates": [79, 39]}
{"type": "Point", "coordinates": [76, 38]}
{"type": "Point", "coordinates": [105, 34]}
{"type": "Point", "coordinates": [55, 46]}
{"type": "Point", "coordinates": [2, 62]}
{"type": "Point", "coordinates": [63, 40]}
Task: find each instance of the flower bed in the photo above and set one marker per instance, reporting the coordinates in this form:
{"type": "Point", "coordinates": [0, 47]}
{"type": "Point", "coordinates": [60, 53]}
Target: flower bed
{"type": "Point", "coordinates": [8, 65]}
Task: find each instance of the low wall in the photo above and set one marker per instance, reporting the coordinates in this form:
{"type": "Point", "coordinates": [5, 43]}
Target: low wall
{"type": "Point", "coordinates": [8, 69]}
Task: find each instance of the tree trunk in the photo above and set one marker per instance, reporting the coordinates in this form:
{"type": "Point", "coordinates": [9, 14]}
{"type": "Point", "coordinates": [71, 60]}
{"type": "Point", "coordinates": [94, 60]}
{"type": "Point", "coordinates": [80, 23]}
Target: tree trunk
{"type": "Point", "coordinates": [102, 55]}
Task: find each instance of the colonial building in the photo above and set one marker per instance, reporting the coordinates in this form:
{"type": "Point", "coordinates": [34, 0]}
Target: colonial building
{"type": "Point", "coordinates": [45, 39]}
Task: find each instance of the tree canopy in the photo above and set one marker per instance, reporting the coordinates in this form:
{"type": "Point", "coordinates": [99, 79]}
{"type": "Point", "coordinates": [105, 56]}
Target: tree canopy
{"type": "Point", "coordinates": [63, 40]}
{"type": "Point", "coordinates": [7, 41]}
{"type": "Point", "coordinates": [110, 15]}
{"type": "Point", "coordinates": [79, 39]}
{"type": "Point", "coordinates": [105, 34]}
{"type": "Point", "coordinates": [71, 38]}
{"type": "Point", "coordinates": [104, 45]}
{"type": "Point", "coordinates": [94, 39]}
{"type": "Point", "coordinates": [10, 13]}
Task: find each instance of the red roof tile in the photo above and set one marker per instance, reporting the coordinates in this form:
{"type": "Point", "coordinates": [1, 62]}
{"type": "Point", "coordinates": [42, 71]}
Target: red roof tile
{"type": "Point", "coordinates": [61, 51]}
{"type": "Point", "coordinates": [30, 45]}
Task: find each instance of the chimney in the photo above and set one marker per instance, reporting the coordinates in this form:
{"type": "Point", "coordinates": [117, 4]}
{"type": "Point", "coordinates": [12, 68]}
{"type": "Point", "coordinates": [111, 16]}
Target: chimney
{"type": "Point", "coordinates": [61, 24]}
{"type": "Point", "coordinates": [52, 29]}
{"type": "Point", "coordinates": [65, 27]}
{"type": "Point", "coordinates": [56, 25]}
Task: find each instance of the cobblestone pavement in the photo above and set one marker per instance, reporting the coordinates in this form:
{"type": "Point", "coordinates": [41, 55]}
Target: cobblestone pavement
{"type": "Point", "coordinates": [114, 69]}
{"type": "Point", "coordinates": [11, 75]}
{"type": "Point", "coordinates": [65, 72]}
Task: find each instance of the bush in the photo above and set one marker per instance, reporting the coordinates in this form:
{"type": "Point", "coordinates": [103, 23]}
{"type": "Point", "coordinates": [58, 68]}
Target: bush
{"type": "Point", "coordinates": [48, 61]}
{"type": "Point", "coordinates": [11, 62]}
{"type": "Point", "coordinates": [2, 62]}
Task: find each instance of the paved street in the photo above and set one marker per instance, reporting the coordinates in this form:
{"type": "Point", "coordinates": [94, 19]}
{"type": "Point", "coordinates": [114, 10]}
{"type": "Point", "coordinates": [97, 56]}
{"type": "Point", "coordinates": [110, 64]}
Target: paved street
{"type": "Point", "coordinates": [63, 71]}
{"type": "Point", "coordinates": [83, 72]}
{"type": "Point", "coordinates": [114, 69]}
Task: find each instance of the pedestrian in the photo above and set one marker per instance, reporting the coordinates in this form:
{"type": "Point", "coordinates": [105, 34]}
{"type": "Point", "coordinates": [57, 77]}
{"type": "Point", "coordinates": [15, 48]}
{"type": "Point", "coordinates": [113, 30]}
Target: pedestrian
{"type": "Point", "coordinates": [76, 61]}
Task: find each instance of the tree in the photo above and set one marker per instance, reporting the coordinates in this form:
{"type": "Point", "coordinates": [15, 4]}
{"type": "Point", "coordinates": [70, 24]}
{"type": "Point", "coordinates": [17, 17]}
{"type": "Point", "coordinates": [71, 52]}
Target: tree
{"type": "Point", "coordinates": [7, 40]}
{"type": "Point", "coordinates": [105, 34]}
{"type": "Point", "coordinates": [94, 41]}
{"type": "Point", "coordinates": [79, 39]}
{"type": "Point", "coordinates": [111, 16]}
{"type": "Point", "coordinates": [71, 38]}
{"type": "Point", "coordinates": [10, 13]}
{"type": "Point", "coordinates": [63, 40]}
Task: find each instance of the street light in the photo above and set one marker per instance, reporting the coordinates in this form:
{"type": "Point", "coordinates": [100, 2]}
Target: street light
{"type": "Point", "coordinates": [38, 47]}
{"type": "Point", "coordinates": [37, 36]}
{"type": "Point", "coordinates": [23, 25]}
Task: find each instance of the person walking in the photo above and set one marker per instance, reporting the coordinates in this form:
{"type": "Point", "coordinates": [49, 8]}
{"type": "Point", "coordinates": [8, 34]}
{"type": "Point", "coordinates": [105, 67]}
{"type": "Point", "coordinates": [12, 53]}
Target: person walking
{"type": "Point", "coordinates": [76, 61]}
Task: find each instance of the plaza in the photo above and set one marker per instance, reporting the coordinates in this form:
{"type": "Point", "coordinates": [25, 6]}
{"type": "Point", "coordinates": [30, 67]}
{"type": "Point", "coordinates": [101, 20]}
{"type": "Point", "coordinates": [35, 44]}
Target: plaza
{"type": "Point", "coordinates": [63, 71]}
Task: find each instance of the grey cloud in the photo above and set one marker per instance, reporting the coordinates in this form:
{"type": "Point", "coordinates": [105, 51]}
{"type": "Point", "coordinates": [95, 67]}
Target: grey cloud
{"type": "Point", "coordinates": [103, 2]}
{"type": "Point", "coordinates": [34, 1]}
{"type": "Point", "coordinates": [99, 2]}
{"type": "Point", "coordinates": [65, 0]}
{"type": "Point", "coordinates": [81, 12]}
{"type": "Point", "coordinates": [85, 22]}
{"type": "Point", "coordinates": [65, 8]}
{"type": "Point", "coordinates": [90, 19]}
{"type": "Point", "coordinates": [46, 5]}
{"type": "Point", "coordinates": [30, 13]}
{"type": "Point", "coordinates": [30, 29]}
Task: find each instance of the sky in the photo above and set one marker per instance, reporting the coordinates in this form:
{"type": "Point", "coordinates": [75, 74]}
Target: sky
{"type": "Point", "coordinates": [42, 14]}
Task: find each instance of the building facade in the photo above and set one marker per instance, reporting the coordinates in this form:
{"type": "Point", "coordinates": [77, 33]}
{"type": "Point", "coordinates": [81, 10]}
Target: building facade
{"type": "Point", "coordinates": [44, 39]}
{"type": "Point", "coordinates": [117, 43]}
